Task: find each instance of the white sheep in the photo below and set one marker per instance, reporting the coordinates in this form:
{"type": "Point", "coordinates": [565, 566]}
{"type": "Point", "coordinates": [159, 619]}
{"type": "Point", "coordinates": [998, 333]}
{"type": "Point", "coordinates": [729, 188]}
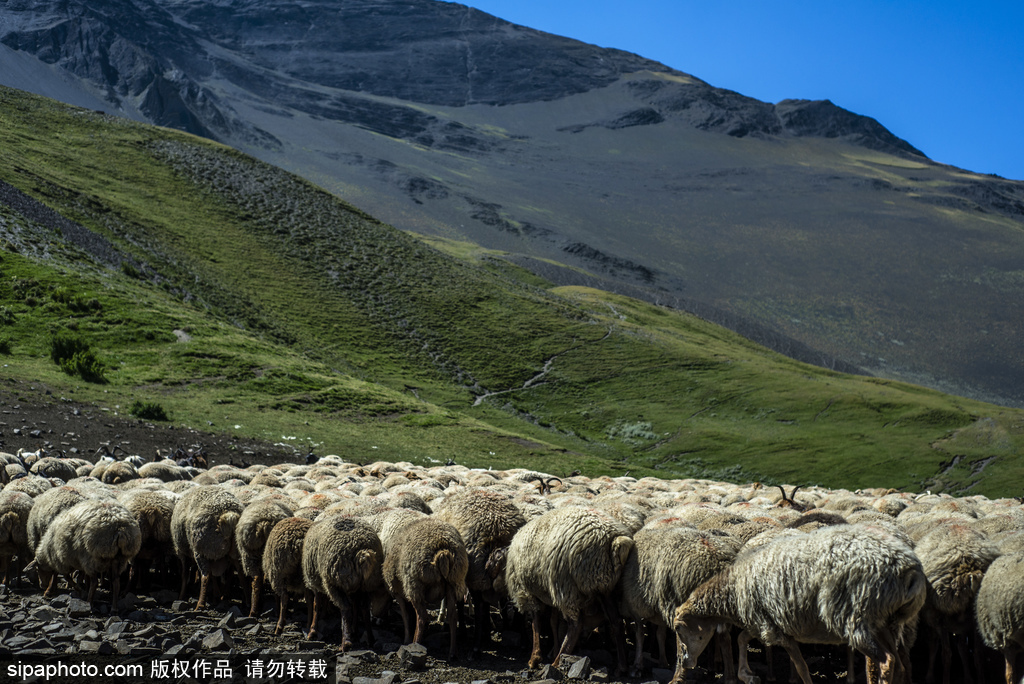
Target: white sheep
{"type": "Point", "coordinates": [46, 508]}
{"type": "Point", "coordinates": [94, 537]}
{"type": "Point", "coordinates": [1000, 610]}
{"type": "Point", "coordinates": [955, 557]}
{"type": "Point", "coordinates": [568, 559]}
{"type": "Point", "coordinates": [425, 564]}
{"type": "Point", "coordinates": [153, 510]}
{"type": "Point", "coordinates": [203, 533]}
{"type": "Point", "coordinates": [486, 520]}
{"type": "Point", "coordinates": [254, 526]}
{"type": "Point", "coordinates": [667, 563]}
{"type": "Point", "coordinates": [14, 512]}
{"type": "Point", "coordinates": [341, 561]}
{"type": "Point", "coordinates": [846, 584]}
{"type": "Point", "coordinates": [282, 566]}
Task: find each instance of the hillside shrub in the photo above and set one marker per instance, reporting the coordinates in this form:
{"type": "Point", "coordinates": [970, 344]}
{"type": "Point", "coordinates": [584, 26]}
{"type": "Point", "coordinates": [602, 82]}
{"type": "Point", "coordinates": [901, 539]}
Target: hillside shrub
{"type": "Point", "coordinates": [74, 357]}
{"type": "Point", "coordinates": [5, 346]}
{"type": "Point", "coordinates": [147, 410]}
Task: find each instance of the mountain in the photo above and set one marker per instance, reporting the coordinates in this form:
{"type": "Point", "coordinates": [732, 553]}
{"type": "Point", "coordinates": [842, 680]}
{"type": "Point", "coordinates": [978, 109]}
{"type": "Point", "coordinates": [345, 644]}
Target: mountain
{"type": "Point", "coordinates": [145, 271]}
{"type": "Point", "coordinates": [799, 224]}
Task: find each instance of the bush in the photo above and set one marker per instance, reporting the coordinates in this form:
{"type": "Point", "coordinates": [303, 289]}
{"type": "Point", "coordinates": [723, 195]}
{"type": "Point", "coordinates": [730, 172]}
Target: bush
{"type": "Point", "coordinates": [5, 346]}
{"type": "Point", "coordinates": [147, 410]}
{"type": "Point", "coordinates": [64, 346]}
{"type": "Point", "coordinates": [74, 357]}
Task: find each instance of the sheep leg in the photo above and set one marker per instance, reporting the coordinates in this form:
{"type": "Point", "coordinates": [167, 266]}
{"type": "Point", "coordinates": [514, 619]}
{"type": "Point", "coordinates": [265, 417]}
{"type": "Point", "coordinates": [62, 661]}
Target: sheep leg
{"type": "Point", "coordinates": [481, 621]}
{"type": "Point", "coordinates": [94, 582]}
{"type": "Point", "coordinates": [799, 664]}
{"type": "Point", "coordinates": [282, 601]}
{"type": "Point", "coordinates": [535, 656]}
{"type": "Point", "coordinates": [745, 674]}
{"type": "Point", "coordinates": [310, 601]}
{"type": "Point", "coordinates": [661, 633]}
{"type": "Point", "coordinates": [724, 638]}
{"type": "Point", "coordinates": [453, 623]}
{"type": "Point", "coordinates": [318, 601]}
{"type": "Point", "coordinates": [345, 605]}
{"type": "Point", "coordinates": [611, 612]}
{"type": "Point", "coordinates": [422, 620]}
{"type": "Point", "coordinates": [257, 589]}
{"type": "Point", "coordinates": [115, 591]}
{"type": "Point", "coordinates": [363, 602]}
{"type": "Point", "coordinates": [947, 655]}
{"type": "Point", "coordinates": [184, 581]}
{"type": "Point", "coordinates": [204, 584]}
{"type": "Point", "coordinates": [638, 658]}
{"type": "Point", "coordinates": [572, 635]}
{"type": "Point", "coordinates": [965, 660]}
{"type": "Point", "coordinates": [403, 607]}
{"type": "Point", "coordinates": [1010, 655]}
{"type": "Point", "coordinates": [50, 586]}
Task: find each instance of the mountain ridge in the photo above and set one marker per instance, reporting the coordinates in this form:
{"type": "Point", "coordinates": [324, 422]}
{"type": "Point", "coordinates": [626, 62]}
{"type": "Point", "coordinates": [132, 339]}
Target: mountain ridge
{"type": "Point", "coordinates": [814, 223]}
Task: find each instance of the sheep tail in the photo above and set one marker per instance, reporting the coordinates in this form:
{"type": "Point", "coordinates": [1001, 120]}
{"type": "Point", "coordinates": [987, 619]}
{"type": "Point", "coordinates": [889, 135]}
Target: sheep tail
{"type": "Point", "coordinates": [228, 521]}
{"type": "Point", "coordinates": [444, 561]}
{"type": "Point", "coordinates": [367, 563]}
{"type": "Point", "coordinates": [621, 547]}
{"type": "Point", "coordinates": [8, 523]}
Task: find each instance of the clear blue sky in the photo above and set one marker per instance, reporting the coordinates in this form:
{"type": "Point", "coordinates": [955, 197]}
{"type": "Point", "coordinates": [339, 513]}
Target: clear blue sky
{"type": "Point", "coordinates": [946, 76]}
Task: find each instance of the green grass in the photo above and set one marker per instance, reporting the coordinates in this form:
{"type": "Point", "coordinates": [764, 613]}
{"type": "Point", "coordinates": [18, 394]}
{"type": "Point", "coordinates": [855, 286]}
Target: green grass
{"type": "Point", "coordinates": [299, 318]}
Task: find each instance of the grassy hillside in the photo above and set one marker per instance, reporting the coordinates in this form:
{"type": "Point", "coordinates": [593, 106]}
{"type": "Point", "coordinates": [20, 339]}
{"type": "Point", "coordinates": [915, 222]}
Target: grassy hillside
{"type": "Point", "coordinates": [301, 317]}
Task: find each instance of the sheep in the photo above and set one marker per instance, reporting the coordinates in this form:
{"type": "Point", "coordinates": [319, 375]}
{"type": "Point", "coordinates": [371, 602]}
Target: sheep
{"type": "Point", "coordinates": [955, 557]}
{"type": "Point", "coordinates": [255, 524]}
{"type": "Point", "coordinates": [665, 565]}
{"type": "Point", "coordinates": [341, 560]}
{"type": "Point", "coordinates": [33, 485]}
{"type": "Point", "coordinates": [118, 472]}
{"type": "Point", "coordinates": [167, 471]}
{"type": "Point", "coordinates": [852, 584]}
{"type": "Point", "coordinates": [51, 466]}
{"type": "Point", "coordinates": [46, 508]}
{"type": "Point", "coordinates": [1000, 610]}
{"type": "Point", "coordinates": [427, 563]}
{"type": "Point", "coordinates": [203, 532]}
{"type": "Point", "coordinates": [568, 559]}
{"type": "Point", "coordinates": [153, 510]}
{"type": "Point", "coordinates": [486, 520]}
{"type": "Point", "coordinates": [14, 512]}
{"type": "Point", "coordinates": [282, 565]}
{"type": "Point", "coordinates": [94, 537]}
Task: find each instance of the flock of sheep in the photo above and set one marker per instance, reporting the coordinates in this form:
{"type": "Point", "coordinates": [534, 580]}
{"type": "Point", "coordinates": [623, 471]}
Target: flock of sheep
{"type": "Point", "coordinates": [867, 569]}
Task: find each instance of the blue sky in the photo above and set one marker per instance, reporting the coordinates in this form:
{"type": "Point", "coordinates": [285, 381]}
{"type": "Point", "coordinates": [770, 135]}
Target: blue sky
{"type": "Point", "coordinates": [946, 76]}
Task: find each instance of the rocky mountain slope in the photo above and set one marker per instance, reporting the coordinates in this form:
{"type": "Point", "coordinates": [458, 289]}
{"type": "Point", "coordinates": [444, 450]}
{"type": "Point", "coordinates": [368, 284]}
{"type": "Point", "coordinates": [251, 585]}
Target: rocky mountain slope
{"type": "Point", "coordinates": [806, 226]}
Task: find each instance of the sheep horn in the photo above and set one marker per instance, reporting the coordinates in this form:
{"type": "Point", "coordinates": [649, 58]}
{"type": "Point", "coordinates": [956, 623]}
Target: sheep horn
{"type": "Point", "coordinates": [784, 497]}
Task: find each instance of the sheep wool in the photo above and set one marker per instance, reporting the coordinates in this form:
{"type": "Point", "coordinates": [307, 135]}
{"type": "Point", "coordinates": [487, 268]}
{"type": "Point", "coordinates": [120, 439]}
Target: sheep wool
{"type": "Point", "coordinates": [568, 558]}
{"type": "Point", "coordinates": [203, 533]}
{"type": "Point", "coordinates": [1000, 610]}
{"type": "Point", "coordinates": [341, 561]}
{"type": "Point", "coordinates": [282, 564]}
{"type": "Point", "coordinates": [844, 584]}
{"type": "Point", "coordinates": [94, 537]}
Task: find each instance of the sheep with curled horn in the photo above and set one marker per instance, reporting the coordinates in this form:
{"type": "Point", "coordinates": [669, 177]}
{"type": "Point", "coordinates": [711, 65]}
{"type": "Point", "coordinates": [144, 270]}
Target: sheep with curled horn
{"type": "Point", "coordinates": [790, 501]}
{"type": "Point", "coordinates": [542, 483]}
